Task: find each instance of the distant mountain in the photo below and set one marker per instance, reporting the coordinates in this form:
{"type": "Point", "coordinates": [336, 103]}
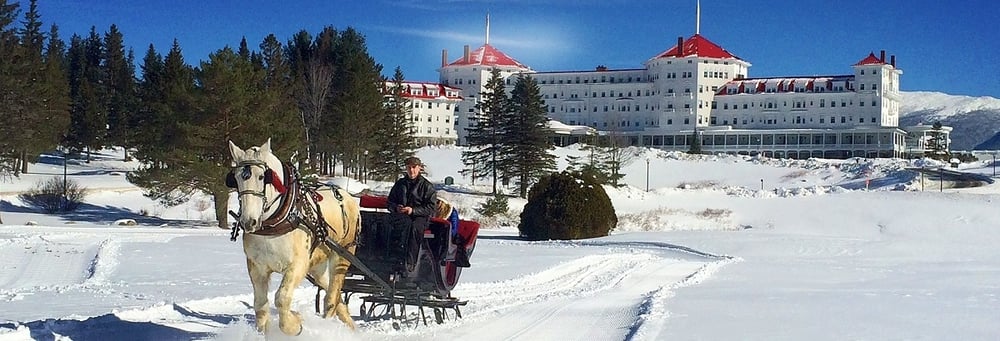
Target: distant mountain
{"type": "Point", "coordinates": [975, 119]}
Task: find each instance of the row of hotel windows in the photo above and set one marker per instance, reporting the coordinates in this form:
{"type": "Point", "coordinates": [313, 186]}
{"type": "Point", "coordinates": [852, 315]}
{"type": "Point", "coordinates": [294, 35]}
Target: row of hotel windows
{"type": "Point", "coordinates": [735, 122]}
{"type": "Point", "coordinates": [447, 131]}
{"type": "Point", "coordinates": [715, 105]}
{"type": "Point", "coordinates": [603, 79]}
{"type": "Point", "coordinates": [420, 104]}
{"type": "Point", "coordinates": [447, 119]}
{"type": "Point", "coordinates": [773, 139]}
{"type": "Point", "coordinates": [795, 104]}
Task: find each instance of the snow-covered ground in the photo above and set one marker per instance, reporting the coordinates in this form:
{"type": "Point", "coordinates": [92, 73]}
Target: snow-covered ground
{"type": "Point", "coordinates": [719, 248]}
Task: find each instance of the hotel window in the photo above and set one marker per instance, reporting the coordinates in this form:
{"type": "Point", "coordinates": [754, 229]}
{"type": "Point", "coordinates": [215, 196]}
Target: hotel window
{"type": "Point", "coordinates": [833, 119]}
{"type": "Point", "coordinates": [873, 103]}
{"type": "Point", "coordinates": [874, 87]}
{"type": "Point", "coordinates": [862, 86]}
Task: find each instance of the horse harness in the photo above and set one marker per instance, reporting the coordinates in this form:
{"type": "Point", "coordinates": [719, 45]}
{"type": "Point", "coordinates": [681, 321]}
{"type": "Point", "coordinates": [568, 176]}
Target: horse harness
{"type": "Point", "coordinates": [294, 209]}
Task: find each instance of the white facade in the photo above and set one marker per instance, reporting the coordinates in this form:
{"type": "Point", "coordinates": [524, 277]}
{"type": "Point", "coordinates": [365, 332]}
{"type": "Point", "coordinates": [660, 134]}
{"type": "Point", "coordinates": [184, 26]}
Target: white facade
{"type": "Point", "coordinates": [432, 111]}
{"type": "Point", "coordinates": [697, 87]}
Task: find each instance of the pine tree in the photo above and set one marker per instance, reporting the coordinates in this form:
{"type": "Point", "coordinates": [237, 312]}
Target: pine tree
{"type": "Point", "coordinates": [528, 135]}
{"type": "Point", "coordinates": [395, 141]}
{"type": "Point", "coordinates": [89, 122]}
{"type": "Point", "coordinates": [695, 142]}
{"type": "Point", "coordinates": [357, 101]}
{"type": "Point", "coordinates": [485, 138]}
{"type": "Point", "coordinates": [937, 144]}
{"type": "Point", "coordinates": [146, 119]}
{"type": "Point", "coordinates": [119, 82]}
{"type": "Point", "coordinates": [12, 74]}
{"type": "Point", "coordinates": [170, 110]}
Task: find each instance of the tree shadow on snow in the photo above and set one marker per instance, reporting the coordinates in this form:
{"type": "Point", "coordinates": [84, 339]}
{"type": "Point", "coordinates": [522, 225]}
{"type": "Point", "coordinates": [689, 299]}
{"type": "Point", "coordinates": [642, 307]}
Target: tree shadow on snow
{"type": "Point", "coordinates": [107, 327]}
{"type": "Point", "coordinates": [105, 215]}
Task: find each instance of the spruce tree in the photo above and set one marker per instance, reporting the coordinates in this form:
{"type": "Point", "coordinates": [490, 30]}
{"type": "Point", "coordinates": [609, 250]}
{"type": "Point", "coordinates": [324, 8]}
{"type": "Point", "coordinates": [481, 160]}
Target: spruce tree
{"type": "Point", "coordinates": [528, 135]}
{"type": "Point", "coordinates": [357, 102]}
{"type": "Point", "coordinates": [395, 140]}
{"type": "Point", "coordinates": [119, 81]}
{"type": "Point", "coordinates": [12, 74]}
{"type": "Point", "coordinates": [485, 138]}
{"type": "Point", "coordinates": [87, 90]}
{"type": "Point", "coordinates": [146, 119]}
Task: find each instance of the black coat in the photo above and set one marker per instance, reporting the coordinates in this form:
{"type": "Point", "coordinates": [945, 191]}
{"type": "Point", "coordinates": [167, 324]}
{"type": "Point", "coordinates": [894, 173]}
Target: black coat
{"type": "Point", "coordinates": [417, 193]}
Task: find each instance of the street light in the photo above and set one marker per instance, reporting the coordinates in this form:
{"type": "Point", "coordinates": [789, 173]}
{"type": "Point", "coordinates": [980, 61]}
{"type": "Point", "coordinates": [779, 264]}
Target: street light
{"type": "Point", "coordinates": [364, 168]}
{"type": "Point", "coordinates": [647, 174]}
{"type": "Point", "coordinates": [65, 199]}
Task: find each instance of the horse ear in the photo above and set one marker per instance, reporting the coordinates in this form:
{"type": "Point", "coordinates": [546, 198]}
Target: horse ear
{"type": "Point", "coordinates": [236, 152]}
{"type": "Point", "coordinates": [267, 146]}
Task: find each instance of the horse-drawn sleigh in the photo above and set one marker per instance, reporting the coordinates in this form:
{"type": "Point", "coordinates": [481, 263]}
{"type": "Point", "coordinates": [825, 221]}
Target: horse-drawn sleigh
{"type": "Point", "coordinates": [345, 246]}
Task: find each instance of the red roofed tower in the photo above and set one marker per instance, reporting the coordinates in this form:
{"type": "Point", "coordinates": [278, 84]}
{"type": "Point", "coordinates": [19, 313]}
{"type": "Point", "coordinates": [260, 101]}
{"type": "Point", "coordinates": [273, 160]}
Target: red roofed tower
{"type": "Point", "coordinates": [471, 72]}
{"type": "Point", "coordinates": [876, 81]}
{"type": "Point", "coordinates": [694, 69]}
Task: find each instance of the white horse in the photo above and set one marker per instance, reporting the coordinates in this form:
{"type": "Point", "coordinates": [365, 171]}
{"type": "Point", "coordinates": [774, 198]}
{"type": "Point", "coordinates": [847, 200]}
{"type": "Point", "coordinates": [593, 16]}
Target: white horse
{"type": "Point", "coordinates": [275, 241]}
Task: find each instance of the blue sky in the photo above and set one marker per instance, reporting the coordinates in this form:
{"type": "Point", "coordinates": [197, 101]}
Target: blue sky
{"type": "Point", "coordinates": [946, 46]}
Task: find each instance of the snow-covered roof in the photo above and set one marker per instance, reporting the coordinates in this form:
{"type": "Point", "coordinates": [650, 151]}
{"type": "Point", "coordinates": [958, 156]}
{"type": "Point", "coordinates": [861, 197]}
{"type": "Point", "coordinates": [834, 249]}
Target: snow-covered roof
{"type": "Point", "coordinates": [489, 56]}
{"type": "Point", "coordinates": [782, 84]}
{"type": "Point", "coordinates": [427, 90]}
{"type": "Point", "coordinates": [565, 129]}
{"type": "Point", "coordinates": [698, 46]}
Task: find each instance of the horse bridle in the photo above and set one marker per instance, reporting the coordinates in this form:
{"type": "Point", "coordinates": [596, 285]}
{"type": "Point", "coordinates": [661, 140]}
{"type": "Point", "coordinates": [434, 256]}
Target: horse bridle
{"type": "Point", "coordinates": [244, 168]}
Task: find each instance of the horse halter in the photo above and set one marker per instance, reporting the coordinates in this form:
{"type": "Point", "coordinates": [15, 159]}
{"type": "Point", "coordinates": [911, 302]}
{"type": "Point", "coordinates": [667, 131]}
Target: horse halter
{"type": "Point", "coordinates": [245, 173]}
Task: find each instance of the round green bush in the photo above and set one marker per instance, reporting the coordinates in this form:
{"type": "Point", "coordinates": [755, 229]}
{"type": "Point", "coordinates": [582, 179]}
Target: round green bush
{"type": "Point", "coordinates": [567, 206]}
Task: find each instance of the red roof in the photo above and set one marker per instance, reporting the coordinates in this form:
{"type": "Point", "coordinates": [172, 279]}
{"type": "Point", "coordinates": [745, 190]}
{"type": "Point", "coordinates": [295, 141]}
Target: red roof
{"type": "Point", "coordinates": [489, 56]}
{"type": "Point", "coordinates": [870, 60]}
{"type": "Point", "coordinates": [699, 46]}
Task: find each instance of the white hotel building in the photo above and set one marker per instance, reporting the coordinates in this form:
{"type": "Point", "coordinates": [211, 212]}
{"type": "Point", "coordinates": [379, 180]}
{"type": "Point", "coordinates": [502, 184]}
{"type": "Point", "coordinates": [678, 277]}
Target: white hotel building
{"type": "Point", "coordinates": [432, 111]}
{"type": "Point", "coordinates": [698, 87]}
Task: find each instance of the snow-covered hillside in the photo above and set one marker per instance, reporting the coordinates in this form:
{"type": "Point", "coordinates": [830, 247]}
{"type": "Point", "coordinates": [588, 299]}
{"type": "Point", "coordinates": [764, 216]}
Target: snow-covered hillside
{"type": "Point", "coordinates": [974, 119]}
{"type": "Point", "coordinates": [718, 248]}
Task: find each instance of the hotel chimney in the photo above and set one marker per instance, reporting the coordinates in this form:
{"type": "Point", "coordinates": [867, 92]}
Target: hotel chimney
{"type": "Point", "coordinates": [465, 57]}
{"type": "Point", "coordinates": [680, 46]}
{"type": "Point", "coordinates": [892, 61]}
{"type": "Point", "coordinates": [444, 57]}
{"type": "Point", "coordinates": [881, 57]}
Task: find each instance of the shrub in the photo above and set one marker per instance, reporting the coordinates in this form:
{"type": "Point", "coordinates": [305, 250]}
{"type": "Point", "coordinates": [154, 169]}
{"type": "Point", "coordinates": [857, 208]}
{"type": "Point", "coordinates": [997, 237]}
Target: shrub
{"type": "Point", "coordinates": [493, 206]}
{"type": "Point", "coordinates": [48, 195]}
{"type": "Point", "coordinates": [567, 206]}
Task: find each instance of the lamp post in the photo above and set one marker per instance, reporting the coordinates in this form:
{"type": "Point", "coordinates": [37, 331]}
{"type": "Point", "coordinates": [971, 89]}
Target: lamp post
{"type": "Point", "coordinates": [364, 169]}
{"type": "Point", "coordinates": [65, 199]}
{"type": "Point", "coordinates": [994, 164]}
{"type": "Point", "coordinates": [647, 174]}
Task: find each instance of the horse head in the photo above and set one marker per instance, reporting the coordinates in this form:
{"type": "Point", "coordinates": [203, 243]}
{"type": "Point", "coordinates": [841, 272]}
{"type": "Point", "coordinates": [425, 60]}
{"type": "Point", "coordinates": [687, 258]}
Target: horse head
{"type": "Point", "coordinates": [257, 176]}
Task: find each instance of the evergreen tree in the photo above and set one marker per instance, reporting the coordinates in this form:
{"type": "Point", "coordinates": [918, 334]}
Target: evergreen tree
{"type": "Point", "coordinates": [695, 142]}
{"type": "Point", "coordinates": [146, 119]}
{"type": "Point", "coordinates": [485, 155]}
{"type": "Point", "coordinates": [937, 143]}
{"type": "Point", "coordinates": [165, 147]}
{"type": "Point", "coordinates": [12, 75]}
{"type": "Point", "coordinates": [395, 141]}
{"type": "Point", "coordinates": [53, 117]}
{"type": "Point", "coordinates": [89, 122]}
{"type": "Point", "coordinates": [357, 102]}
{"type": "Point", "coordinates": [119, 99]}
{"type": "Point", "coordinates": [528, 135]}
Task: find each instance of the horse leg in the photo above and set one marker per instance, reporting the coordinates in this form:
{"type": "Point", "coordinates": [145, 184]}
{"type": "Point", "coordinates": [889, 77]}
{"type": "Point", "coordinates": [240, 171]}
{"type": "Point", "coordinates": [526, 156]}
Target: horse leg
{"type": "Point", "coordinates": [289, 320]}
{"type": "Point", "coordinates": [336, 284]}
{"type": "Point", "coordinates": [259, 279]}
